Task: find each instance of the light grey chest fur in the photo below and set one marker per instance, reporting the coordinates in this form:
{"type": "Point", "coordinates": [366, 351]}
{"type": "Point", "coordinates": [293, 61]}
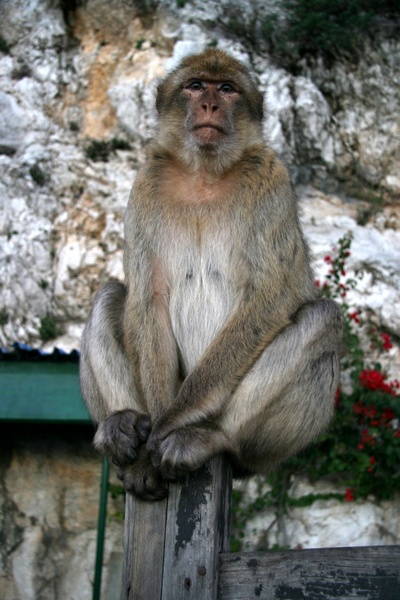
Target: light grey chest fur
{"type": "Point", "coordinates": [202, 291]}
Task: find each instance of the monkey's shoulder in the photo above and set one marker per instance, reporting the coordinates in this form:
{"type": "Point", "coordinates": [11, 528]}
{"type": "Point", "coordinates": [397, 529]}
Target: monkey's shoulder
{"type": "Point", "coordinates": [273, 168]}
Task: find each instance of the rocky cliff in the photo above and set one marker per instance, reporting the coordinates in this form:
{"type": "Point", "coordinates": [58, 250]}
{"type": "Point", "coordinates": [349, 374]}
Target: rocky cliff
{"type": "Point", "coordinates": [76, 110]}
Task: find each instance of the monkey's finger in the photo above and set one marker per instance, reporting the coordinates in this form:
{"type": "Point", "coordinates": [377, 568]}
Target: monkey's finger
{"type": "Point", "coordinates": [143, 428]}
{"type": "Point", "coordinates": [131, 453]}
{"type": "Point", "coordinates": [155, 459]}
{"type": "Point", "coordinates": [146, 485]}
{"type": "Point", "coordinates": [129, 456]}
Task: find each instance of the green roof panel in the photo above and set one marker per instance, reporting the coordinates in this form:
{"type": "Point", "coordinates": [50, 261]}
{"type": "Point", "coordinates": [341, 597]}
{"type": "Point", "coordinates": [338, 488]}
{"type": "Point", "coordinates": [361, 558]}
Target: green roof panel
{"type": "Point", "coordinates": [41, 391]}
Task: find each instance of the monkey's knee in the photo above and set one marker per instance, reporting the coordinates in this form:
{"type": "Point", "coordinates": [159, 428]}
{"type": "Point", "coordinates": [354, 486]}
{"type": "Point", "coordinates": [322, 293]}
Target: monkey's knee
{"type": "Point", "coordinates": [105, 317]}
{"type": "Point", "coordinates": [109, 303]}
{"type": "Point", "coordinates": [320, 314]}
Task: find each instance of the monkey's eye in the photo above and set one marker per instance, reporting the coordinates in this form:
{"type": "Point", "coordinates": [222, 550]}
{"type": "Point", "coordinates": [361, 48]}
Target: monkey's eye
{"type": "Point", "coordinates": [195, 85]}
{"type": "Point", "coordinates": [227, 88]}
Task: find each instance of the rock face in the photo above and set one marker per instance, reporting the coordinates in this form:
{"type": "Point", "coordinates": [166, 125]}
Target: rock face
{"type": "Point", "coordinates": [74, 75]}
{"type": "Point", "coordinates": [320, 524]}
{"type": "Point", "coordinates": [49, 500]}
{"type": "Point", "coordinates": [76, 111]}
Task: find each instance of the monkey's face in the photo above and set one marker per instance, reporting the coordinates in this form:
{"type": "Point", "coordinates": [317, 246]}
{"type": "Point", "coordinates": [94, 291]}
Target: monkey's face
{"type": "Point", "coordinates": [210, 110]}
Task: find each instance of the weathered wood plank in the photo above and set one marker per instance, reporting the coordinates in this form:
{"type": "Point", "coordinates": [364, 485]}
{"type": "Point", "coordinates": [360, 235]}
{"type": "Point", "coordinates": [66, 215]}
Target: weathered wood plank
{"type": "Point", "coordinates": [171, 548]}
{"type": "Point", "coordinates": [144, 537]}
{"type": "Point", "coordinates": [198, 529]}
{"type": "Point", "coordinates": [364, 573]}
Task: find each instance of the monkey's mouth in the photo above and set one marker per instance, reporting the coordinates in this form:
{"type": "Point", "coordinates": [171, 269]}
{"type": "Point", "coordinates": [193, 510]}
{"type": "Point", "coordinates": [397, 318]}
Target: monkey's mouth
{"type": "Point", "coordinates": [207, 133]}
{"type": "Point", "coordinates": [208, 126]}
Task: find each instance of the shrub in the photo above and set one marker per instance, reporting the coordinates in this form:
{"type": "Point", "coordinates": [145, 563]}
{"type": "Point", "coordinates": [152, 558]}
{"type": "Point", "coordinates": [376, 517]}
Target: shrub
{"type": "Point", "coordinates": [361, 450]}
{"type": "Point", "coordinates": [99, 150]}
{"type": "Point", "coordinates": [363, 445]}
{"type": "Point", "coordinates": [323, 27]}
{"type": "Point", "coordinates": [38, 175]}
{"type": "Point", "coordinates": [4, 46]}
{"type": "Point", "coordinates": [48, 329]}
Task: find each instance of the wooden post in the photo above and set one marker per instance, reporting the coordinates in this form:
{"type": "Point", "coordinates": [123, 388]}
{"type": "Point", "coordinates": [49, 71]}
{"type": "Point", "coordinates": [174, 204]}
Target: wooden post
{"type": "Point", "coordinates": [178, 549]}
{"type": "Point", "coordinates": [171, 548]}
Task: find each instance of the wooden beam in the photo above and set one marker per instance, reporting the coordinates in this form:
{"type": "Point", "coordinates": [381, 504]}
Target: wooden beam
{"type": "Point", "coordinates": [371, 572]}
{"type": "Point", "coordinates": [171, 548]}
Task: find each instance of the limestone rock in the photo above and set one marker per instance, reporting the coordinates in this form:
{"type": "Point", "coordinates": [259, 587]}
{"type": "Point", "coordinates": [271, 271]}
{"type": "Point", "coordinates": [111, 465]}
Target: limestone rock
{"type": "Point", "coordinates": [61, 211]}
{"type": "Point", "coordinates": [51, 492]}
{"type": "Point", "coordinates": [12, 124]}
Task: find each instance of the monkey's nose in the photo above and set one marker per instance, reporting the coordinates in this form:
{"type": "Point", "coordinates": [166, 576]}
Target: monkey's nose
{"type": "Point", "coordinates": [210, 107]}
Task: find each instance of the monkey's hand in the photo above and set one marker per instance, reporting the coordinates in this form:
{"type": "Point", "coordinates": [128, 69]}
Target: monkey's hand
{"type": "Point", "coordinates": [142, 479]}
{"type": "Point", "coordinates": [187, 449]}
{"type": "Point", "coordinates": [119, 435]}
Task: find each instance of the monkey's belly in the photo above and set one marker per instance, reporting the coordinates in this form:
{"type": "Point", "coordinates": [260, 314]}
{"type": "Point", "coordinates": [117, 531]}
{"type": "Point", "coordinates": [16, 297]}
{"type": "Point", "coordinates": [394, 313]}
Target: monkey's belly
{"type": "Point", "coordinates": [198, 310]}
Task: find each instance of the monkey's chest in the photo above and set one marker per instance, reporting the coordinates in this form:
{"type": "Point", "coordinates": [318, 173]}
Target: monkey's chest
{"type": "Point", "coordinates": [201, 299]}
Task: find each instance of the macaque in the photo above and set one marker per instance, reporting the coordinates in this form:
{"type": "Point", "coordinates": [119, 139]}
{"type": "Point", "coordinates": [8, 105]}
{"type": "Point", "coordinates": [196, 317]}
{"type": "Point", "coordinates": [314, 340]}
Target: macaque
{"type": "Point", "coordinates": [216, 343]}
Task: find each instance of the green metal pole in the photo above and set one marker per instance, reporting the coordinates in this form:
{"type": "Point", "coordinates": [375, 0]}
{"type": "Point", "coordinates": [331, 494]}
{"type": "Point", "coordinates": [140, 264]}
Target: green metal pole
{"type": "Point", "coordinates": [101, 526]}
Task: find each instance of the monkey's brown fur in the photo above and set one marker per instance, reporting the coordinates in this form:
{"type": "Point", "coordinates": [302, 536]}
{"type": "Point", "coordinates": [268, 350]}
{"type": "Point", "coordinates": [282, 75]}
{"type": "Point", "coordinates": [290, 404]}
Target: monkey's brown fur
{"type": "Point", "coordinates": [216, 343]}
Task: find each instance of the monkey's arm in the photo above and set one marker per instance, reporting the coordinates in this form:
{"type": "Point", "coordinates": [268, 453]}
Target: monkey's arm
{"type": "Point", "coordinates": [151, 353]}
{"type": "Point", "coordinates": [148, 337]}
{"type": "Point", "coordinates": [152, 349]}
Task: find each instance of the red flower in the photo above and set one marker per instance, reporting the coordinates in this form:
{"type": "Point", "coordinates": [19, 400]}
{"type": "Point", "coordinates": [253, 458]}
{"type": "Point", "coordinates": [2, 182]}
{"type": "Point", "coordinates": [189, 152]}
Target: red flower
{"type": "Point", "coordinates": [359, 408]}
{"type": "Point", "coordinates": [370, 412]}
{"type": "Point", "coordinates": [371, 379]}
{"type": "Point", "coordinates": [317, 283]}
{"type": "Point", "coordinates": [354, 316]}
{"type": "Point", "coordinates": [387, 344]}
{"type": "Point", "coordinates": [337, 397]}
{"type": "Point", "coordinates": [327, 259]}
{"type": "Point", "coordinates": [388, 414]}
{"type": "Point", "coordinates": [366, 438]}
{"type": "Point", "coordinates": [349, 495]}
{"type": "Point", "coordinates": [375, 380]}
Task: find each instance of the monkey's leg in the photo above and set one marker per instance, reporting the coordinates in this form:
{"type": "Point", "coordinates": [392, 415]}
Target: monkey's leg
{"type": "Point", "coordinates": [287, 398]}
{"type": "Point", "coordinates": [108, 388]}
{"type": "Point", "coordinates": [280, 406]}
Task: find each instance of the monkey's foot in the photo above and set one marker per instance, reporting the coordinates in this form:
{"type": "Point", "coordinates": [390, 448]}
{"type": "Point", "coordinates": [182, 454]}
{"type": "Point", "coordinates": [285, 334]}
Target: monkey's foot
{"type": "Point", "coordinates": [142, 479]}
{"type": "Point", "coordinates": [120, 434]}
{"type": "Point", "coordinates": [186, 449]}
